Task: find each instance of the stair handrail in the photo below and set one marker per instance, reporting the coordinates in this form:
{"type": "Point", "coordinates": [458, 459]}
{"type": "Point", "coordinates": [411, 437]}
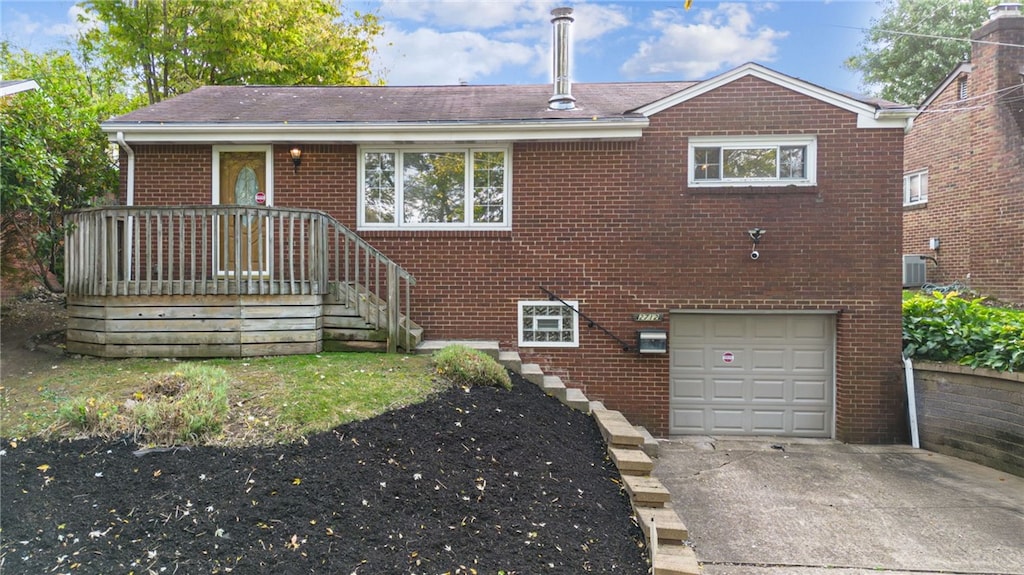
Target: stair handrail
{"type": "Point", "coordinates": [590, 322]}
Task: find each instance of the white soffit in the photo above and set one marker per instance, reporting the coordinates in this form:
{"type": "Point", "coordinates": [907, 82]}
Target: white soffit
{"type": "Point", "coordinates": [867, 115]}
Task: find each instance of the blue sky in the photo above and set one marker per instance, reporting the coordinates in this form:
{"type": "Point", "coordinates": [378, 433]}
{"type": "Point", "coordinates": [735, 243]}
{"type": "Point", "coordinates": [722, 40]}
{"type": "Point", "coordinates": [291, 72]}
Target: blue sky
{"type": "Point", "coordinates": [509, 41]}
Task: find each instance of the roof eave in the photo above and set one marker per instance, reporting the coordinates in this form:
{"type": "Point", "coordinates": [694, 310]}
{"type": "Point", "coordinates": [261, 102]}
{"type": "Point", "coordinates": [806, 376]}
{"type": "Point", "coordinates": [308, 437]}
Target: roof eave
{"type": "Point", "coordinates": [399, 132]}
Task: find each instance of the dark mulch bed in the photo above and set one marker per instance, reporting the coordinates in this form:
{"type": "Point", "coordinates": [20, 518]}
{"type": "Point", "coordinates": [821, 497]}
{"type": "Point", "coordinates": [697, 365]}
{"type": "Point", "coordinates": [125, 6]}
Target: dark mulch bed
{"type": "Point", "coordinates": [485, 480]}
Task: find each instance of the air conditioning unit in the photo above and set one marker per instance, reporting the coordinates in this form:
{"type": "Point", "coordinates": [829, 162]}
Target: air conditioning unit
{"type": "Point", "coordinates": [915, 273]}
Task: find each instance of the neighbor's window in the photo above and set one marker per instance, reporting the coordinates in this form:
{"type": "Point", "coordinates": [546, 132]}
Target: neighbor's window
{"type": "Point", "coordinates": [548, 324]}
{"type": "Point", "coordinates": [434, 188]}
{"type": "Point", "coordinates": [915, 188]}
{"type": "Point", "coordinates": [757, 160]}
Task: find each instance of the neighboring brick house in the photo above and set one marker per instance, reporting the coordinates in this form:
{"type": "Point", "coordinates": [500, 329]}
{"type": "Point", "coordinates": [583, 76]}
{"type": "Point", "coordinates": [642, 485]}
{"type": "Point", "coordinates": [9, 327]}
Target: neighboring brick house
{"type": "Point", "coordinates": [964, 167]}
{"type": "Point", "coordinates": [638, 204]}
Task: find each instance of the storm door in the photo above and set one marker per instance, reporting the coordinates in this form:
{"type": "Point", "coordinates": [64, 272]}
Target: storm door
{"type": "Point", "coordinates": [244, 235]}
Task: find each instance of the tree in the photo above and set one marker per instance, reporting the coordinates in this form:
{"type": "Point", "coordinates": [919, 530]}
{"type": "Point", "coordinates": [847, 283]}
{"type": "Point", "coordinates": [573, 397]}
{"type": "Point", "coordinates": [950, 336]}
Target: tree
{"type": "Point", "coordinates": [175, 46]}
{"type": "Point", "coordinates": [911, 48]}
{"type": "Point", "coordinates": [54, 156]}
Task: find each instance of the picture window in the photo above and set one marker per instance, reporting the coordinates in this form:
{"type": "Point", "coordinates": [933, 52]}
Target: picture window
{"type": "Point", "coordinates": [760, 160]}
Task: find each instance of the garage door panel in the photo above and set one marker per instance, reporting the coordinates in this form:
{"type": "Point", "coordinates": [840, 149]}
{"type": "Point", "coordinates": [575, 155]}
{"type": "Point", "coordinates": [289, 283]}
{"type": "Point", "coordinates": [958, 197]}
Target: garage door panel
{"type": "Point", "coordinates": [810, 390]}
{"type": "Point", "coordinates": [752, 373]}
{"type": "Point", "coordinates": [809, 359]}
{"type": "Point", "coordinates": [727, 359]}
{"type": "Point", "coordinates": [767, 328]}
{"type": "Point", "coordinates": [727, 420]}
{"type": "Point", "coordinates": [809, 421]}
{"type": "Point", "coordinates": [768, 359]}
{"type": "Point", "coordinates": [729, 327]}
{"type": "Point", "coordinates": [688, 420]}
{"type": "Point", "coordinates": [768, 390]}
{"type": "Point", "coordinates": [768, 422]}
{"type": "Point", "coordinates": [727, 389]}
{"type": "Point", "coordinates": [688, 388]}
{"type": "Point", "coordinates": [809, 327]}
{"type": "Point", "coordinates": [688, 358]}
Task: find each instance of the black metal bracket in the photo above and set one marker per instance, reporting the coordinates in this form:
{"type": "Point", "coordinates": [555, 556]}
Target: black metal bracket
{"type": "Point", "coordinates": [590, 322]}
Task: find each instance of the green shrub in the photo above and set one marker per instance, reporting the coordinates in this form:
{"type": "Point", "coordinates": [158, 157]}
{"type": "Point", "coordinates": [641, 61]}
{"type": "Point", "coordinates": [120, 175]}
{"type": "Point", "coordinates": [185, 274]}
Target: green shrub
{"type": "Point", "coordinates": [463, 366]}
{"type": "Point", "coordinates": [947, 327]}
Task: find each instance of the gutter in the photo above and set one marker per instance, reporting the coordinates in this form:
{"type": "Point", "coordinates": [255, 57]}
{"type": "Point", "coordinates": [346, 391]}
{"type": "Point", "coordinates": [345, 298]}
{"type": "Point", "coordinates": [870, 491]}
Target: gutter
{"type": "Point", "coordinates": [131, 168]}
{"type": "Point", "coordinates": [584, 128]}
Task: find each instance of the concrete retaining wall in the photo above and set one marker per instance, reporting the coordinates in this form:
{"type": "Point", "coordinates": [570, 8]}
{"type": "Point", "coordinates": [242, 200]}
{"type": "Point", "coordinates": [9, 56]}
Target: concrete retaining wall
{"type": "Point", "coordinates": [973, 414]}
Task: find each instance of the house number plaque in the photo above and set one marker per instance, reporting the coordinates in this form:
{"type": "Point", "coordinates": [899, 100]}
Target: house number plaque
{"type": "Point", "coordinates": [648, 316]}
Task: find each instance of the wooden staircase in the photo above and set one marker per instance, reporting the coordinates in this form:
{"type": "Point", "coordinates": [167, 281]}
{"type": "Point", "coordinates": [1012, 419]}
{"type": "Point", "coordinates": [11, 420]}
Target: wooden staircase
{"type": "Point", "coordinates": [347, 326]}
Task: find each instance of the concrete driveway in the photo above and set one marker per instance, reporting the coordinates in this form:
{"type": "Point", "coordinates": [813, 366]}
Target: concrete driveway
{"type": "Point", "coordinates": [771, 506]}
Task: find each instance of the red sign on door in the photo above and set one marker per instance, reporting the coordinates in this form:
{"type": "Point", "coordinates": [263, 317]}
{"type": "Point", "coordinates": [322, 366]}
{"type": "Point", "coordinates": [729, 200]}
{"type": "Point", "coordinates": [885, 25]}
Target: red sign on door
{"type": "Point", "coordinates": [728, 357]}
{"type": "Point", "coordinates": [261, 198]}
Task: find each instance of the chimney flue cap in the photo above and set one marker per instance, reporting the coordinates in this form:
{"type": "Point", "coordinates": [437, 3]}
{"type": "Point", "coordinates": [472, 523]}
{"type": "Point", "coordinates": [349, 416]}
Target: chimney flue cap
{"type": "Point", "coordinates": [563, 12]}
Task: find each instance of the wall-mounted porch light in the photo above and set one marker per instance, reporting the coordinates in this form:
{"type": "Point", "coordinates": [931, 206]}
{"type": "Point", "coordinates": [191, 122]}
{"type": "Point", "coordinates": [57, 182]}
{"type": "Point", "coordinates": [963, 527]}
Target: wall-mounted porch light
{"type": "Point", "coordinates": [296, 154]}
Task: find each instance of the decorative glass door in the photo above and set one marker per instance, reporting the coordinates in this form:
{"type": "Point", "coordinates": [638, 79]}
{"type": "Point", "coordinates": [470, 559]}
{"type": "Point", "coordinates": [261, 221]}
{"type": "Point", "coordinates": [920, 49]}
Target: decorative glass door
{"type": "Point", "coordinates": [244, 236]}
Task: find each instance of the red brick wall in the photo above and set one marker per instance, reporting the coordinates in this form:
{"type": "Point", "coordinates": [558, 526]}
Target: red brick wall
{"type": "Point", "coordinates": [974, 153]}
{"type": "Point", "coordinates": [613, 225]}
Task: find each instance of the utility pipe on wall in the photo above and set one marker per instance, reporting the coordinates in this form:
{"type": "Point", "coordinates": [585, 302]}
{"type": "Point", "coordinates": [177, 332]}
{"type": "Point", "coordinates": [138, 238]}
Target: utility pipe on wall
{"type": "Point", "coordinates": [908, 368]}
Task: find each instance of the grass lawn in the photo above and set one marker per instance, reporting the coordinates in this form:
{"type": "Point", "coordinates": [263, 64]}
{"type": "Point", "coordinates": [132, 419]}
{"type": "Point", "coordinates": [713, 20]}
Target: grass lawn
{"type": "Point", "coordinates": [271, 399]}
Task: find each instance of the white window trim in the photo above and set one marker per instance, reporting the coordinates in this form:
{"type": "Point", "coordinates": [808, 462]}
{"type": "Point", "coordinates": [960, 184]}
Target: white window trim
{"type": "Point", "coordinates": [575, 305]}
{"type": "Point", "coordinates": [810, 141]}
{"type": "Point", "coordinates": [906, 188]}
{"type": "Point", "coordinates": [399, 225]}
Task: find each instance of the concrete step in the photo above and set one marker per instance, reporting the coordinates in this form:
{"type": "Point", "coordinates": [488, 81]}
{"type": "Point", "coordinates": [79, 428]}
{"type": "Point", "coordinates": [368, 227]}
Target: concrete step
{"type": "Point", "coordinates": [650, 445]}
{"type": "Point", "coordinates": [511, 360]}
{"type": "Point", "coordinates": [670, 526]}
{"type": "Point", "coordinates": [533, 373]}
{"type": "Point", "coordinates": [575, 399]}
{"type": "Point", "coordinates": [553, 386]}
{"type": "Point", "coordinates": [432, 345]}
{"type": "Point", "coordinates": [676, 559]}
{"type": "Point", "coordinates": [597, 406]}
{"type": "Point", "coordinates": [631, 461]}
{"type": "Point", "coordinates": [616, 429]}
{"type": "Point", "coordinates": [645, 491]}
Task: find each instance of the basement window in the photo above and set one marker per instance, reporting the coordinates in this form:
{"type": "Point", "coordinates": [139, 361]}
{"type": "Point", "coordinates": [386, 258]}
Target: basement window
{"type": "Point", "coordinates": [434, 188]}
{"type": "Point", "coordinates": [752, 161]}
{"type": "Point", "coordinates": [915, 188]}
{"type": "Point", "coordinates": [546, 323]}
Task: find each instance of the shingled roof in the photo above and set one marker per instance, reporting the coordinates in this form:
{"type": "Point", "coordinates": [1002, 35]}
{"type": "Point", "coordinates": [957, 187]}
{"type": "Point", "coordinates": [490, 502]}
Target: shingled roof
{"type": "Point", "coordinates": [321, 104]}
{"type": "Point", "coordinates": [437, 113]}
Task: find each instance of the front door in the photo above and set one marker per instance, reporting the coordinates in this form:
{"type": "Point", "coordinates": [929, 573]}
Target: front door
{"type": "Point", "coordinates": [244, 237]}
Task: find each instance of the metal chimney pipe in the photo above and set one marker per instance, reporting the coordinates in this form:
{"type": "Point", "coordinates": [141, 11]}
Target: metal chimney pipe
{"type": "Point", "coordinates": [562, 98]}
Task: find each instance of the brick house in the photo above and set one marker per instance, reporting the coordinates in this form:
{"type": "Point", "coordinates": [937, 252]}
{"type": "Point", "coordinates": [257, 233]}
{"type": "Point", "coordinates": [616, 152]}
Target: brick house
{"type": "Point", "coordinates": [964, 166]}
{"type": "Point", "coordinates": [747, 223]}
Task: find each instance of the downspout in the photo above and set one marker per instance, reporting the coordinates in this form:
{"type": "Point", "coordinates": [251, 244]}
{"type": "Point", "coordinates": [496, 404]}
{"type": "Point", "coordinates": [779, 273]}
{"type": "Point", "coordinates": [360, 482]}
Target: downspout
{"type": "Point", "coordinates": [908, 368]}
{"type": "Point", "coordinates": [130, 192]}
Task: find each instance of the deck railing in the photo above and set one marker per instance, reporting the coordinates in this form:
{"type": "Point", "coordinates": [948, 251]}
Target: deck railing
{"type": "Point", "coordinates": [232, 250]}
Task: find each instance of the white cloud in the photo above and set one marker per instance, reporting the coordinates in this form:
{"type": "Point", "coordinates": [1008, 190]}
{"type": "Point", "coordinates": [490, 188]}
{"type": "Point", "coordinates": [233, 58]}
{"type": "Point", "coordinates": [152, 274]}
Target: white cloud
{"type": "Point", "coordinates": [427, 57]}
{"type": "Point", "coordinates": [72, 26]}
{"type": "Point", "coordinates": [470, 15]}
{"type": "Point", "coordinates": [691, 45]}
{"type": "Point", "coordinates": [444, 42]}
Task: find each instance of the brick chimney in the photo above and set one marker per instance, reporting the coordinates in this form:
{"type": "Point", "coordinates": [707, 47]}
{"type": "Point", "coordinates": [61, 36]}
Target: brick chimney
{"type": "Point", "coordinates": [997, 58]}
{"type": "Point", "coordinates": [562, 99]}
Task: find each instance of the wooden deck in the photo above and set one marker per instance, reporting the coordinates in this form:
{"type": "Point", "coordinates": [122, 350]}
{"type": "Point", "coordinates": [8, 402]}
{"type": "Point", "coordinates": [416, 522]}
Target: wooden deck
{"type": "Point", "coordinates": [136, 290]}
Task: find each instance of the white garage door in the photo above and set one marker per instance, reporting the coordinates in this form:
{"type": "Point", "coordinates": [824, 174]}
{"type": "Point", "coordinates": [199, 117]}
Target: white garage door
{"type": "Point", "coordinates": [752, 374]}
